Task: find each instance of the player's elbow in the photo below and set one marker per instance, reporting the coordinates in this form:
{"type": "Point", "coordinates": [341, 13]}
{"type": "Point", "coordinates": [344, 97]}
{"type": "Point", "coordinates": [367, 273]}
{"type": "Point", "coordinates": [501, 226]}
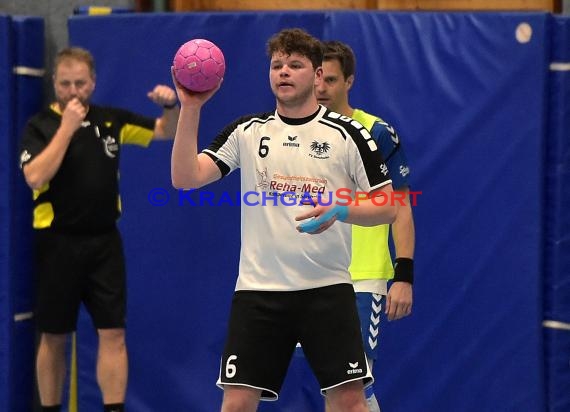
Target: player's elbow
{"type": "Point", "coordinates": [181, 181]}
{"type": "Point", "coordinates": [34, 180]}
{"type": "Point", "coordinates": [385, 215]}
{"type": "Point", "coordinates": [385, 211]}
{"type": "Point", "coordinates": [392, 213]}
{"type": "Point", "coordinates": [180, 184]}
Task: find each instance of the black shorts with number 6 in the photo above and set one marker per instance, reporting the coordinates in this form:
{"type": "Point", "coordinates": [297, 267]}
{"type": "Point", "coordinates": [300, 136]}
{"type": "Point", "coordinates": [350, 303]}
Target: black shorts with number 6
{"type": "Point", "coordinates": [265, 327]}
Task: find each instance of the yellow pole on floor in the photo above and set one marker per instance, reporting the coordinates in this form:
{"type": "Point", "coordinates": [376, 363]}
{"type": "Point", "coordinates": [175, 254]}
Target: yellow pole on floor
{"type": "Point", "coordinates": [72, 407]}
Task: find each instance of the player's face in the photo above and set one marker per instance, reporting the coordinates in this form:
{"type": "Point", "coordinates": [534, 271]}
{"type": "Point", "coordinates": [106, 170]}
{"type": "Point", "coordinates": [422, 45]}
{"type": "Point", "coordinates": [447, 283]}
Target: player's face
{"type": "Point", "coordinates": [292, 78]}
{"type": "Point", "coordinates": [332, 89]}
{"type": "Point", "coordinates": [72, 79]}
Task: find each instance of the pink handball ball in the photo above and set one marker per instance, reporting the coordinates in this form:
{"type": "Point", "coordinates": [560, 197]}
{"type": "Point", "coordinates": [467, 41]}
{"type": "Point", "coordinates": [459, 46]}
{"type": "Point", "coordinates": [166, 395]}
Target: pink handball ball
{"type": "Point", "coordinates": [199, 65]}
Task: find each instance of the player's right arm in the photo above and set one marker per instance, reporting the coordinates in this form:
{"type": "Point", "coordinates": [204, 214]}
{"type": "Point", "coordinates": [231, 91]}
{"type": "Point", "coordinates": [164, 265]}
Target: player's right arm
{"type": "Point", "coordinates": [43, 167]}
{"type": "Point", "coordinates": [190, 169]}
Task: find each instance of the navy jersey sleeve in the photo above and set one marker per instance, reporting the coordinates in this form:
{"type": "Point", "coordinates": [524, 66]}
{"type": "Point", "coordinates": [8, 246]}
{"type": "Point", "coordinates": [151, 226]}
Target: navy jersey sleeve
{"type": "Point", "coordinates": [36, 136]}
{"type": "Point", "coordinates": [394, 156]}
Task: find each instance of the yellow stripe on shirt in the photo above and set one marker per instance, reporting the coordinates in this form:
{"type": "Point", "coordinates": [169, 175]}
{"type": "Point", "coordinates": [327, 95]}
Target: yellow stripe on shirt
{"type": "Point", "coordinates": [133, 134]}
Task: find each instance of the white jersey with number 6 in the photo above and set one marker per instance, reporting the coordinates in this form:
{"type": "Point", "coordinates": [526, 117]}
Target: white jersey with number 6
{"type": "Point", "coordinates": [285, 162]}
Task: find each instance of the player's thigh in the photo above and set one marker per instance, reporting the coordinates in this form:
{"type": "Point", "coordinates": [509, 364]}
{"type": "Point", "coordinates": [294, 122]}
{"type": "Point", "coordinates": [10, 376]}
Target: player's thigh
{"type": "Point", "coordinates": [260, 342]}
{"type": "Point", "coordinates": [105, 285]}
{"type": "Point", "coordinates": [58, 281]}
{"type": "Point", "coordinates": [331, 337]}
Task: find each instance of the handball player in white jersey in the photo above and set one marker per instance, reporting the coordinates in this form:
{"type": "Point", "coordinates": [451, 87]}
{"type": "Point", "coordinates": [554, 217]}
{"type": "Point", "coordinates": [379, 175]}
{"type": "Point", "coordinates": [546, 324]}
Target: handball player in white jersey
{"type": "Point", "coordinates": [300, 166]}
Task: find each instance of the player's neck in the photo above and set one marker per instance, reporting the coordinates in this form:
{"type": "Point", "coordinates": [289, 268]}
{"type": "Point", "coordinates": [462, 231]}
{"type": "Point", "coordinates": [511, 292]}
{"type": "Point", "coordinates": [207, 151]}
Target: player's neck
{"type": "Point", "coordinates": [346, 110]}
{"type": "Point", "coordinates": [294, 111]}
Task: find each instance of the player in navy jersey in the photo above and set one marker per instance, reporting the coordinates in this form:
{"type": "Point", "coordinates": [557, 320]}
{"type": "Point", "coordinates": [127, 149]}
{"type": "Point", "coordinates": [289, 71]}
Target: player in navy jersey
{"type": "Point", "coordinates": [371, 265]}
{"type": "Point", "coordinates": [293, 283]}
{"type": "Point", "coordinates": [70, 158]}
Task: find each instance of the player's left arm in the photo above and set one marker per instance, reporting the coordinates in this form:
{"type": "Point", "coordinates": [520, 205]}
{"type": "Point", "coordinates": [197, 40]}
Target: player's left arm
{"type": "Point", "coordinates": [371, 210]}
{"type": "Point", "coordinates": [165, 125]}
{"type": "Point", "coordinates": [374, 208]}
{"type": "Point", "coordinates": [400, 295]}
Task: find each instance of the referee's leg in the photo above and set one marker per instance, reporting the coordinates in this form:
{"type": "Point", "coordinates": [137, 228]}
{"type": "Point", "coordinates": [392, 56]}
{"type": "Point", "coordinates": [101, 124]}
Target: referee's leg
{"type": "Point", "coordinates": [51, 368]}
{"type": "Point", "coordinates": [112, 365]}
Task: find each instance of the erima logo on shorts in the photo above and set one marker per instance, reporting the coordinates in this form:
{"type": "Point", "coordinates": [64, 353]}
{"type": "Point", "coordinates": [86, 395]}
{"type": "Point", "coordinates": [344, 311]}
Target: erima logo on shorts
{"type": "Point", "coordinates": [354, 369]}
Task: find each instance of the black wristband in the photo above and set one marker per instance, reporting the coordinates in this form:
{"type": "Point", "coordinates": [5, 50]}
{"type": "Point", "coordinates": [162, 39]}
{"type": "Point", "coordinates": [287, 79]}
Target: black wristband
{"type": "Point", "coordinates": [170, 106]}
{"type": "Point", "coordinates": [404, 270]}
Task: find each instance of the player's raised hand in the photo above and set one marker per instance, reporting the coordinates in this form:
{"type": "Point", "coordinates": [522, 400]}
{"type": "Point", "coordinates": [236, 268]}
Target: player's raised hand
{"type": "Point", "coordinates": [190, 98]}
{"type": "Point", "coordinates": [162, 95]}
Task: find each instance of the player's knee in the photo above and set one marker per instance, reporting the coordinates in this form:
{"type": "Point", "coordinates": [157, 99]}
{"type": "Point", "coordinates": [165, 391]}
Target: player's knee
{"type": "Point", "coordinates": [112, 338]}
{"type": "Point", "coordinates": [348, 397]}
{"type": "Point", "coordinates": [54, 340]}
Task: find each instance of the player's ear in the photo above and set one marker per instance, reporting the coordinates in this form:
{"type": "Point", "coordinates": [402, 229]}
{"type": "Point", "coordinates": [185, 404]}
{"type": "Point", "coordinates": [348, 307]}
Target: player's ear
{"type": "Point", "coordinates": [319, 72]}
{"type": "Point", "coordinates": [349, 81]}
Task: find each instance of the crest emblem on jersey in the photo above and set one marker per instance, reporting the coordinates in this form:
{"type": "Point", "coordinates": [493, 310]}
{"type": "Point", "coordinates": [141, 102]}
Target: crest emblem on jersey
{"type": "Point", "coordinates": [110, 146]}
{"type": "Point", "coordinates": [320, 150]}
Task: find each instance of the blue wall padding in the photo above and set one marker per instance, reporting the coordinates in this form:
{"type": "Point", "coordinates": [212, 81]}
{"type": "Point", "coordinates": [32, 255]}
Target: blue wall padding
{"type": "Point", "coordinates": [468, 101]}
{"type": "Point", "coordinates": [29, 52]}
{"type": "Point", "coordinates": [557, 359]}
{"type": "Point", "coordinates": [557, 223]}
{"type": "Point", "coordinates": [557, 260]}
{"type": "Point", "coordinates": [21, 45]}
{"type": "Point", "coordinates": [6, 172]}
{"type": "Point", "coordinates": [460, 88]}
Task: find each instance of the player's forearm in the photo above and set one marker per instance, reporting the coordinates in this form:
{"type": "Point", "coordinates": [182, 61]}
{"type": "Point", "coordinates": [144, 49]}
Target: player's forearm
{"type": "Point", "coordinates": [45, 165]}
{"type": "Point", "coordinates": [185, 166]}
{"type": "Point", "coordinates": [165, 127]}
{"type": "Point", "coordinates": [371, 213]}
{"type": "Point", "coordinates": [403, 231]}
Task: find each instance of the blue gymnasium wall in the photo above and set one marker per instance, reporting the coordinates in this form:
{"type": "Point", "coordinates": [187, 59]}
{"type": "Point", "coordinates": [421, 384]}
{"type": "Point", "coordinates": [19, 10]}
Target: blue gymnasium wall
{"type": "Point", "coordinates": [469, 102]}
{"type": "Point", "coordinates": [21, 47]}
{"type": "Point", "coordinates": [557, 224]}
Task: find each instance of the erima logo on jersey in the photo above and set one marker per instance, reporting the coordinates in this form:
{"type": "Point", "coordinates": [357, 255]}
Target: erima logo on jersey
{"type": "Point", "coordinates": [291, 142]}
{"type": "Point", "coordinates": [404, 170]}
{"type": "Point", "coordinates": [354, 369]}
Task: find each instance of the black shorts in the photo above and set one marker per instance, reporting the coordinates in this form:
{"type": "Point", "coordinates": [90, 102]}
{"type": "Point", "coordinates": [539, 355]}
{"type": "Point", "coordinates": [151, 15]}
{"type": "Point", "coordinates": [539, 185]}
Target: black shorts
{"type": "Point", "coordinates": [79, 268]}
{"type": "Point", "coordinates": [265, 327]}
